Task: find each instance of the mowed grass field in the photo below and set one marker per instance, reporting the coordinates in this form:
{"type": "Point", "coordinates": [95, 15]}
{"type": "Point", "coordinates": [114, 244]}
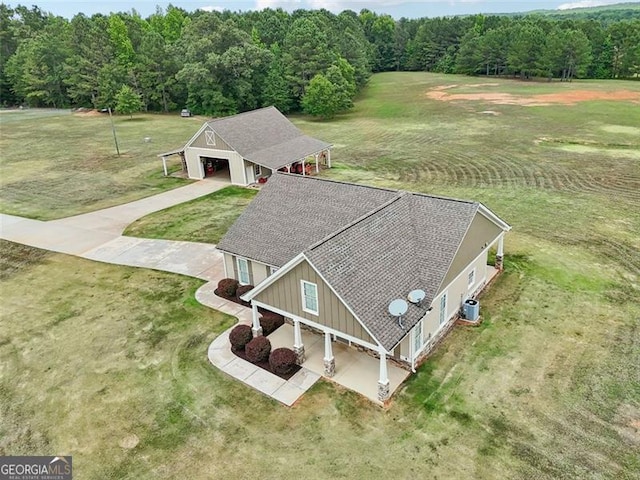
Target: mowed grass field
{"type": "Point", "coordinates": [54, 163]}
{"type": "Point", "coordinates": [109, 363]}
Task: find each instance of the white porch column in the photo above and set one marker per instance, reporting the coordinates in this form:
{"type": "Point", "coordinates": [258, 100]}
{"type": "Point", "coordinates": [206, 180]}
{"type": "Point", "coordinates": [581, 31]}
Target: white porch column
{"type": "Point", "coordinates": [256, 328]}
{"type": "Point", "coordinates": [383, 382]}
{"type": "Point", "coordinates": [328, 158]}
{"type": "Point", "coordinates": [500, 253]}
{"type": "Point", "coordinates": [317, 166]}
{"type": "Point", "coordinates": [164, 165]}
{"type": "Point", "coordinates": [329, 360]}
{"type": "Point", "coordinates": [298, 346]}
{"type": "Point", "coordinates": [303, 166]}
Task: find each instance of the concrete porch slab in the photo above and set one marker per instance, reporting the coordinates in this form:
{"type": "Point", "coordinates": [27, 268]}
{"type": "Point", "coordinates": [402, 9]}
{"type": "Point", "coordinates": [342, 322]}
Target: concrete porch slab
{"type": "Point", "coordinates": [357, 371]}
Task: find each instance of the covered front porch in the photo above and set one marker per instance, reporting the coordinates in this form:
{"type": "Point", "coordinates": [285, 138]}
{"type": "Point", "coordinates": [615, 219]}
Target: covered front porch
{"type": "Point", "coordinates": [309, 165]}
{"type": "Point", "coordinates": [353, 369]}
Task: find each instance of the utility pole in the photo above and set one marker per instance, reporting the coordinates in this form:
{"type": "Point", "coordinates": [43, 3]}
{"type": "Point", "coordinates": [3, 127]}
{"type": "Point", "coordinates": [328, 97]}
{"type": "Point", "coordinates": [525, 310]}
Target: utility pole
{"type": "Point", "coordinates": [113, 129]}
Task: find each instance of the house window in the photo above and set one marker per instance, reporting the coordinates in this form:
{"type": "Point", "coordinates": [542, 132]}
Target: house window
{"type": "Point", "coordinates": [309, 297]}
{"type": "Point", "coordinates": [257, 170]}
{"type": "Point", "coordinates": [472, 278]}
{"type": "Point", "coordinates": [243, 271]}
{"type": "Point", "coordinates": [443, 308]}
{"type": "Point", "coordinates": [210, 137]}
{"type": "Point", "coordinates": [417, 337]}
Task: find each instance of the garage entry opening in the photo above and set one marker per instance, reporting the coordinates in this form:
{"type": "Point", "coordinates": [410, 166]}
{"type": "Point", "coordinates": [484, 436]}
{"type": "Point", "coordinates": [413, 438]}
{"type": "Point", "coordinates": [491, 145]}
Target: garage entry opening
{"type": "Point", "coordinates": [216, 167]}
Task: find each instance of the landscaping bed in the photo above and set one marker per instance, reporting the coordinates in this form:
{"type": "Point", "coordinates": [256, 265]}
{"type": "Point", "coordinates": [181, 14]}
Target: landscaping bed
{"type": "Point", "coordinates": [265, 365]}
{"type": "Point", "coordinates": [280, 362]}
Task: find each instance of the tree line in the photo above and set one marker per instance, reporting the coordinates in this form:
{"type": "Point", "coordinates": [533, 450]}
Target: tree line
{"type": "Point", "coordinates": [217, 63]}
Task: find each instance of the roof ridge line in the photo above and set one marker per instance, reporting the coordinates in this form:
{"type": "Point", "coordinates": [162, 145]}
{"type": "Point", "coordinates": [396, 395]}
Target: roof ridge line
{"type": "Point", "coordinates": [357, 220]}
{"type": "Point", "coordinates": [341, 182]}
{"type": "Point", "coordinates": [213, 120]}
{"type": "Point", "coordinates": [442, 197]}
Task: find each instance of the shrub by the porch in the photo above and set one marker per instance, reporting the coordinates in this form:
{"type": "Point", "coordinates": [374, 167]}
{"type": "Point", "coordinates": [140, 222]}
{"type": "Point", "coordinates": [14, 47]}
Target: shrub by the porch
{"type": "Point", "coordinates": [241, 290]}
{"type": "Point", "coordinates": [227, 287]}
{"type": "Point", "coordinates": [240, 336]}
{"type": "Point", "coordinates": [270, 321]}
{"type": "Point", "coordinates": [282, 361]}
{"type": "Point", "coordinates": [258, 349]}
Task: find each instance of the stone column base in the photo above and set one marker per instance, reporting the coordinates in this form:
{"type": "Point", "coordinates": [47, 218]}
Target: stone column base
{"type": "Point", "coordinates": [300, 357]}
{"type": "Point", "coordinates": [499, 262]}
{"type": "Point", "coordinates": [257, 332]}
{"type": "Point", "coordinates": [330, 367]}
{"type": "Point", "coordinates": [383, 391]}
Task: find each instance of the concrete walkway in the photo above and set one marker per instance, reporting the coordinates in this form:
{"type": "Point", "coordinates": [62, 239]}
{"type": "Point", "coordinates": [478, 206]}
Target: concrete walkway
{"type": "Point", "coordinates": [97, 236]}
{"type": "Point", "coordinates": [285, 391]}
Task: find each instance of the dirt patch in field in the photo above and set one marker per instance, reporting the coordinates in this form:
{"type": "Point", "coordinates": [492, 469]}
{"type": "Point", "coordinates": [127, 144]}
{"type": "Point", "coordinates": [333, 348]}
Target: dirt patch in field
{"type": "Point", "coordinates": [567, 98]}
{"type": "Point", "coordinates": [87, 112]}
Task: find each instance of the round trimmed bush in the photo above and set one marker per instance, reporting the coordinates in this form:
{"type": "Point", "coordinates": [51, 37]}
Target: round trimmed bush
{"type": "Point", "coordinates": [227, 287]}
{"type": "Point", "coordinates": [241, 290]}
{"type": "Point", "coordinates": [270, 321]}
{"type": "Point", "coordinates": [258, 349]}
{"type": "Point", "coordinates": [282, 361]}
{"type": "Point", "coordinates": [240, 336]}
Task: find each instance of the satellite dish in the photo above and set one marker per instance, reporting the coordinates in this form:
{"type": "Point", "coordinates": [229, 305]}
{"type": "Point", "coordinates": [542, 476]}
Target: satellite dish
{"type": "Point", "coordinates": [398, 308]}
{"type": "Point", "coordinates": [416, 296]}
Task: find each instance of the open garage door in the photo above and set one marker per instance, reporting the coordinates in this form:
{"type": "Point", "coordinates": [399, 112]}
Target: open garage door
{"type": "Point", "coordinates": [216, 168]}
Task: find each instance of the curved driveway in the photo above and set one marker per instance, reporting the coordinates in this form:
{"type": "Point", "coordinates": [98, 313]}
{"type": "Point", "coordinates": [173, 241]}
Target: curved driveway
{"type": "Point", "coordinates": [98, 236]}
{"type": "Point", "coordinates": [79, 234]}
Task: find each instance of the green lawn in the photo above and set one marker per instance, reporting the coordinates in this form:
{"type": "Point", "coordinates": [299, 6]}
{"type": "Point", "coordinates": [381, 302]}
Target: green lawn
{"type": "Point", "coordinates": [109, 363]}
{"type": "Point", "coordinates": [204, 219]}
{"type": "Point", "coordinates": [56, 164]}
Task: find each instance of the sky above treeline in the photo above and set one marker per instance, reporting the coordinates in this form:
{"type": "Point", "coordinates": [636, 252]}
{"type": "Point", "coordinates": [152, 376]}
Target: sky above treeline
{"type": "Point", "coordinates": [395, 8]}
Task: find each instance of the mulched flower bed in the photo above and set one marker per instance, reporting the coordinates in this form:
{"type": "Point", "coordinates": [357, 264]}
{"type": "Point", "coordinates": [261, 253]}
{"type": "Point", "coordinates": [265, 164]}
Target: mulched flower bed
{"type": "Point", "coordinates": [265, 365]}
{"type": "Point", "coordinates": [232, 299]}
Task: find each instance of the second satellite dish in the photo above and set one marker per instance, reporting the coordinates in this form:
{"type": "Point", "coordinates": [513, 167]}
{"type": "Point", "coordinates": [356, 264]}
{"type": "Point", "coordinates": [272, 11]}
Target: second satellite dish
{"type": "Point", "coordinates": [416, 296]}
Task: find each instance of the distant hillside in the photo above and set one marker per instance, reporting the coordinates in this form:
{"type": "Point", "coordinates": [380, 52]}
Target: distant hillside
{"type": "Point", "coordinates": [605, 13]}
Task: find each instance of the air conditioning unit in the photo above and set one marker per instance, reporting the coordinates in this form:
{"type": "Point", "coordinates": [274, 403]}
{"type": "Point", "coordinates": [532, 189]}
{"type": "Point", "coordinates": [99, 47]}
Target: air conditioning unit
{"type": "Point", "coordinates": [471, 310]}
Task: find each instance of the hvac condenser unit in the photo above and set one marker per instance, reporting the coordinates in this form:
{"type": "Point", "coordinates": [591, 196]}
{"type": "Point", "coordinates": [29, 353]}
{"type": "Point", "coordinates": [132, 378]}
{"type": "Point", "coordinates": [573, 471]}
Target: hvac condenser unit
{"type": "Point", "coordinates": [471, 310]}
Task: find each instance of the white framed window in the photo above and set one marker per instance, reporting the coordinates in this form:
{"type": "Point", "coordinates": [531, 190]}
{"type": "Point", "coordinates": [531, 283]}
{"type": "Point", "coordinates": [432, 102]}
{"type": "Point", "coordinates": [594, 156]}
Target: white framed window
{"type": "Point", "coordinates": [309, 297]}
{"type": "Point", "coordinates": [472, 278]}
{"type": "Point", "coordinates": [257, 170]}
{"type": "Point", "coordinates": [443, 308]}
{"type": "Point", "coordinates": [417, 337]}
{"type": "Point", "coordinates": [243, 271]}
{"type": "Point", "coordinates": [210, 137]}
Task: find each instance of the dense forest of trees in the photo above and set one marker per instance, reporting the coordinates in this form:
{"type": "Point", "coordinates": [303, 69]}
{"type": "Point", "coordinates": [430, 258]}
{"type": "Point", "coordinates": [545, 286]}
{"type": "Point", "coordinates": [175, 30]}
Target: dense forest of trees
{"type": "Point", "coordinates": [218, 63]}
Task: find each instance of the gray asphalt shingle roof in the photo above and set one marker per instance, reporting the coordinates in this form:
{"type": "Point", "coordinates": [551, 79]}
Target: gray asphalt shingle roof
{"type": "Point", "coordinates": [292, 213]}
{"type": "Point", "coordinates": [406, 245]}
{"type": "Point", "coordinates": [266, 137]}
{"type": "Point", "coordinates": [372, 245]}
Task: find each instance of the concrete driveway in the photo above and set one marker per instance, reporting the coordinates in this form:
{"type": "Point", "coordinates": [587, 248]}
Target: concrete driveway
{"type": "Point", "coordinates": [84, 233]}
{"type": "Point", "coordinates": [97, 236]}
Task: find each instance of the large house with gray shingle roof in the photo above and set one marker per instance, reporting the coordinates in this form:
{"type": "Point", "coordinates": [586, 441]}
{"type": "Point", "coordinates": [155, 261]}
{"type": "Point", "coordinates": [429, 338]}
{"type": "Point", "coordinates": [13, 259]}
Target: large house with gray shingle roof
{"type": "Point", "coordinates": [247, 147]}
{"type": "Point", "coordinates": [332, 256]}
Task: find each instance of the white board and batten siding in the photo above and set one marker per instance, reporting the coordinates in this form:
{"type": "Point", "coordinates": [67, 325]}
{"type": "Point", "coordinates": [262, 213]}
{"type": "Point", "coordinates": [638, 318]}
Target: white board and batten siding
{"type": "Point", "coordinates": [209, 144]}
{"type": "Point", "coordinates": [196, 170]}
